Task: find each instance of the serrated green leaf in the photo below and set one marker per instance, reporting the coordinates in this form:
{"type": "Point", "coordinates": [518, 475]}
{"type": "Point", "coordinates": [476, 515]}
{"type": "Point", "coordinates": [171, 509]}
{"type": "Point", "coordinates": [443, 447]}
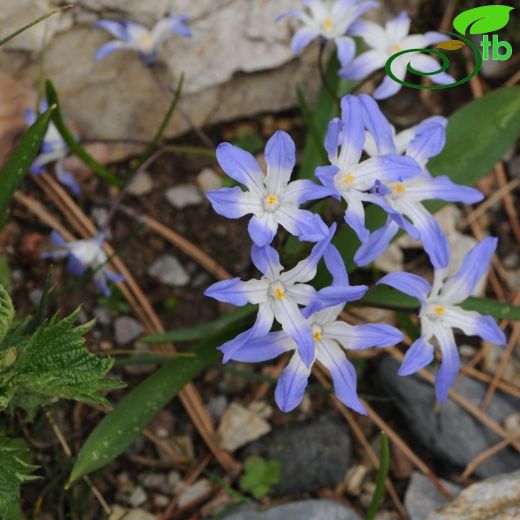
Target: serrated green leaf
{"type": "Point", "coordinates": [14, 471]}
{"type": "Point", "coordinates": [482, 20]}
{"type": "Point", "coordinates": [17, 165]}
{"type": "Point", "coordinates": [74, 146]}
{"type": "Point", "coordinates": [132, 414]}
{"type": "Point", "coordinates": [477, 137]}
{"type": "Point", "coordinates": [54, 362]}
{"type": "Point", "coordinates": [6, 312]}
{"type": "Point", "coordinates": [260, 476]}
{"type": "Point", "coordinates": [5, 274]}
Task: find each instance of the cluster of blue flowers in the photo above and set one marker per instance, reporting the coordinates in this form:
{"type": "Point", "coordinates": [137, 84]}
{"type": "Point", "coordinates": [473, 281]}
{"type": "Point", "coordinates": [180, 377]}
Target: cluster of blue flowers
{"type": "Point", "coordinates": [369, 163]}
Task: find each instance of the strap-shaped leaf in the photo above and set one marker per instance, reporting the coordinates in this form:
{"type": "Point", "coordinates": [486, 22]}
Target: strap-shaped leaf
{"type": "Point", "coordinates": [14, 170]}
{"type": "Point", "coordinates": [6, 312]}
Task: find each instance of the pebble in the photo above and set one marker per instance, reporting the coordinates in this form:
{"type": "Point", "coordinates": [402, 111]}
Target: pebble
{"type": "Point", "coordinates": [514, 166]}
{"type": "Point", "coordinates": [183, 196]}
{"type": "Point", "coordinates": [102, 315]}
{"type": "Point", "coordinates": [141, 185]}
{"type": "Point", "coordinates": [154, 481]}
{"type": "Point", "coordinates": [208, 180]}
{"type": "Point", "coordinates": [497, 498]}
{"type": "Point", "coordinates": [422, 497]}
{"type": "Point", "coordinates": [120, 513]}
{"type": "Point", "coordinates": [191, 494]}
{"type": "Point", "coordinates": [313, 455]}
{"type": "Point", "coordinates": [35, 296]}
{"type": "Point", "coordinates": [126, 329]}
{"type": "Point", "coordinates": [452, 436]}
{"type": "Point", "coordinates": [302, 510]}
{"type": "Point", "coordinates": [161, 501]}
{"type": "Point", "coordinates": [216, 407]}
{"type": "Point", "coordinates": [240, 426]}
{"type": "Point", "coordinates": [137, 497]}
{"type": "Point", "coordinates": [354, 479]}
{"type": "Point", "coordinates": [169, 271]}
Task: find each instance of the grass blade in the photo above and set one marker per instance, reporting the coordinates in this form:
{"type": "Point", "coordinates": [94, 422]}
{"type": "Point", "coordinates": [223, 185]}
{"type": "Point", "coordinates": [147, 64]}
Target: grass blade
{"type": "Point", "coordinates": [74, 146]}
{"type": "Point", "coordinates": [17, 165]}
{"type": "Point", "coordinates": [34, 22]}
{"type": "Point", "coordinates": [384, 463]}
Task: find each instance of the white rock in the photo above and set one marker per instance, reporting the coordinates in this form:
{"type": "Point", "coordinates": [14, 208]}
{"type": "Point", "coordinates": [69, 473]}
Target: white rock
{"type": "Point", "coordinates": [141, 185]}
{"type": "Point", "coordinates": [192, 493]}
{"type": "Point", "coordinates": [126, 329]}
{"type": "Point", "coordinates": [184, 195]}
{"type": "Point", "coordinates": [209, 179]}
{"type": "Point", "coordinates": [422, 497]}
{"type": "Point", "coordinates": [496, 498]}
{"type": "Point", "coordinates": [240, 426]}
{"type": "Point", "coordinates": [138, 497]}
{"type": "Point", "coordinates": [120, 513]}
{"type": "Point", "coordinates": [169, 271]}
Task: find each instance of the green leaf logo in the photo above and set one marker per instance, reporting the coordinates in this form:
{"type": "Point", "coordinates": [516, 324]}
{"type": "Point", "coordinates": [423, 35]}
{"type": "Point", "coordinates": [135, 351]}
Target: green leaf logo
{"type": "Point", "coordinates": [450, 45]}
{"type": "Point", "coordinates": [482, 20]}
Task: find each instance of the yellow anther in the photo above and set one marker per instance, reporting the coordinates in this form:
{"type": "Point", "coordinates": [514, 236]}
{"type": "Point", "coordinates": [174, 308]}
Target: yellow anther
{"type": "Point", "coordinates": [271, 199]}
{"type": "Point", "coordinates": [395, 48]}
{"type": "Point", "coordinates": [439, 310]}
{"type": "Point", "coordinates": [328, 24]}
{"type": "Point", "coordinates": [146, 42]}
{"type": "Point", "coordinates": [348, 179]}
{"type": "Point", "coordinates": [279, 294]}
{"type": "Point", "coordinates": [399, 187]}
{"type": "Point", "coordinates": [316, 335]}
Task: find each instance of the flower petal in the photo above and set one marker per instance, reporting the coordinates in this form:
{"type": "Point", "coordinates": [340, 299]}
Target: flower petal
{"type": "Point", "coordinates": [343, 374]}
{"type": "Point", "coordinates": [441, 188]}
{"type": "Point", "coordinates": [331, 143]}
{"type": "Point", "coordinates": [171, 24]}
{"type": "Point", "coordinates": [335, 265]}
{"type": "Point", "coordinates": [280, 157]}
{"type": "Point", "coordinates": [346, 49]}
{"type": "Point", "coordinates": [303, 190]}
{"type": "Point", "coordinates": [262, 348]}
{"type": "Point", "coordinates": [474, 266]}
{"type": "Point", "coordinates": [418, 356]}
{"type": "Point", "coordinates": [377, 125]}
{"type": "Point", "coordinates": [109, 48]}
{"type": "Point", "coordinates": [287, 313]}
{"type": "Point", "coordinates": [473, 323]}
{"type": "Point", "coordinates": [237, 292]}
{"type": "Point", "coordinates": [335, 295]}
{"type": "Point", "coordinates": [266, 260]}
{"type": "Point", "coordinates": [450, 364]}
{"type": "Point", "coordinates": [291, 385]}
{"type": "Point", "coordinates": [353, 137]}
{"type": "Point", "coordinates": [425, 63]}
{"type": "Point", "coordinates": [241, 166]}
{"type": "Point", "coordinates": [302, 223]}
{"type": "Point", "coordinates": [358, 337]}
{"type": "Point", "coordinates": [355, 217]}
{"type": "Point", "coordinates": [408, 283]}
{"type": "Point", "coordinates": [429, 140]}
{"type": "Point", "coordinates": [364, 65]}
{"type": "Point", "coordinates": [326, 175]}
{"type": "Point", "coordinates": [262, 229]}
{"type": "Point", "coordinates": [302, 37]}
{"type": "Point", "coordinates": [233, 202]}
{"type": "Point", "coordinates": [389, 87]}
{"type": "Point", "coordinates": [376, 244]}
{"type": "Point", "coordinates": [399, 27]}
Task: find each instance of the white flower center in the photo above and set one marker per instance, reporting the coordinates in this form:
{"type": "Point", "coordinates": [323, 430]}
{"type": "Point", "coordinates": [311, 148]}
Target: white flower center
{"type": "Point", "coordinates": [277, 290]}
{"type": "Point", "coordinates": [344, 181]}
{"type": "Point", "coordinates": [317, 333]}
{"type": "Point", "coordinates": [146, 43]}
{"type": "Point", "coordinates": [434, 311]}
{"type": "Point", "coordinates": [271, 202]}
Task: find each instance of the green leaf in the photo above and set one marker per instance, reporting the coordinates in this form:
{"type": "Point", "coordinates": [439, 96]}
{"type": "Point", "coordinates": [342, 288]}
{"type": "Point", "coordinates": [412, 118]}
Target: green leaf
{"type": "Point", "coordinates": [472, 149]}
{"type": "Point", "coordinates": [54, 362]}
{"type": "Point", "coordinates": [386, 297]}
{"type": "Point", "coordinates": [482, 20]}
{"type": "Point", "coordinates": [384, 464]}
{"type": "Point", "coordinates": [133, 413]}
{"type": "Point", "coordinates": [17, 165]}
{"type": "Point", "coordinates": [6, 312]}
{"type": "Point", "coordinates": [260, 476]}
{"type": "Point", "coordinates": [199, 332]}
{"type": "Point", "coordinates": [74, 146]}
{"type": "Point", "coordinates": [34, 22]}
{"type": "Point", "coordinates": [5, 274]}
{"type": "Point", "coordinates": [14, 471]}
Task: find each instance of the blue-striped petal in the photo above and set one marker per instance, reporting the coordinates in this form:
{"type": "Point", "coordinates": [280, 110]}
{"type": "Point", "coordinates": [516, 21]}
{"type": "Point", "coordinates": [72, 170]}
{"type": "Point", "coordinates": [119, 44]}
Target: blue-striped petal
{"type": "Point", "coordinates": [408, 283]}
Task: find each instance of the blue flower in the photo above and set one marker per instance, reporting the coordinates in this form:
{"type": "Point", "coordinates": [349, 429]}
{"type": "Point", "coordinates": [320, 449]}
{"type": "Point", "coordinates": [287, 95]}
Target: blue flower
{"type": "Point", "coordinates": [83, 255]}
{"type": "Point", "coordinates": [440, 314]}
{"type": "Point", "coordinates": [271, 198]}
{"type": "Point", "coordinates": [330, 336]}
{"type": "Point", "coordinates": [137, 37]}
{"type": "Point", "coordinates": [279, 294]}
{"type": "Point", "coordinates": [54, 149]}
{"type": "Point", "coordinates": [402, 197]}
{"type": "Point", "coordinates": [349, 177]}
{"type": "Point", "coordinates": [328, 21]}
{"type": "Point", "coordinates": [385, 42]}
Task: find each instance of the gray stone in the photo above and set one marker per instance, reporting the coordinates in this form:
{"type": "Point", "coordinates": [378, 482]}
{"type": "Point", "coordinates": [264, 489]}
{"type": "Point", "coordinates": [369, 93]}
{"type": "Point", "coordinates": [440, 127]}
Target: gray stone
{"type": "Point", "coordinates": [422, 497]}
{"type": "Point", "coordinates": [312, 455]}
{"type": "Point", "coordinates": [102, 315]}
{"type": "Point", "coordinates": [169, 271]}
{"type": "Point", "coordinates": [209, 179]}
{"type": "Point", "coordinates": [235, 57]}
{"type": "Point", "coordinates": [120, 513]}
{"type": "Point", "coordinates": [514, 166]}
{"type": "Point", "coordinates": [303, 510]}
{"type": "Point", "coordinates": [138, 497]}
{"type": "Point", "coordinates": [126, 329]}
{"type": "Point", "coordinates": [184, 195]}
{"type": "Point", "coordinates": [141, 185]}
{"type": "Point", "coordinates": [452, 435]}
{"type": "Point", "coordinates": [497, 498]}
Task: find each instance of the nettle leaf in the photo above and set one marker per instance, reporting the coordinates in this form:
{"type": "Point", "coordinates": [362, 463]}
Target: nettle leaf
{"type": "Point", "coordinates": [6, 312]}
{"type": "Point", "coordinates": [54, 362]}
{"type": "Point", "coordinates": [260, 476]}
{"type": "Point", "coordinates": [15, 471]}
{"type": "Point", "coordinates": [451, 45]}
{"type": "Point", "coordinates": [482, 20]}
